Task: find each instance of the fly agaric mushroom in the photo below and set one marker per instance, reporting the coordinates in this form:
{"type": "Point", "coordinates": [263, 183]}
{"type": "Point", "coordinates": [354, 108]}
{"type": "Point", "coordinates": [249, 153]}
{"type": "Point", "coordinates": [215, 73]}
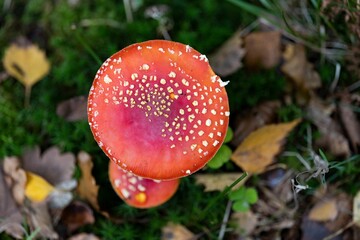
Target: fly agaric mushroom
{"type": "Point", "coordinates": [140, 192]}
{"type": "Point", "coordinates": [158, 110]}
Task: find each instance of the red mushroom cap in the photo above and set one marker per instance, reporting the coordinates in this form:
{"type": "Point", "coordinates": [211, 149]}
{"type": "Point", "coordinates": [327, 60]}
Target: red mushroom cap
{"type": "Point", "coordinates": [158, 110]}
{"type": "Point", "coordinates": [140, 192]}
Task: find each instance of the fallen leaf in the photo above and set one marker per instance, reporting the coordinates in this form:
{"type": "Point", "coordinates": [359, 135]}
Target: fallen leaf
{"type": "Point", "coordinates": [27, 63]}
{"type": "Point", "coordinates": [334, 141]}
{"type": "Point", "coordinates": [314, 230]}
{"type": "Point", "coordinates": [87, 188]}
{"type": "Point", "coordinates": [76, 215]}
{"type": "Point", "coordinates": [257, 151]}
{"type": "Point", "coordinates": [263, 50]}
{"type": "Point", "coordinates": [73, 109]}
{"type": "Point", "coordinates": [218, 181]}
{"type": "Point", "coordinates": [40, 220]}
{"type": "Point", "coordinates": [174, 231]}
{"type": "Point", "coordinates": [356, 209]}
{"type": "Point", "coordinates": [54, 166]}
{"type": "Point", "coordinates": [245, 222]}
{"type": "Point", "coordinates": [10, 216]}
{"type": "Point", "coordinates": [258, 116]}
{"type": "Point", "coordinates": [84, 236]}
{"type": "Point", "coordinates": [227, 59]}
{"type": "Point", "coordinates": [300, 72]}
{"type": "Point", "coordinates": [15, 178]}
{"type": "Point", "coordinates": [349, 120]}
{"type": "Point", "coordinates": [325, 210]}
{"type": "Point", "coordinates": [37, 188]}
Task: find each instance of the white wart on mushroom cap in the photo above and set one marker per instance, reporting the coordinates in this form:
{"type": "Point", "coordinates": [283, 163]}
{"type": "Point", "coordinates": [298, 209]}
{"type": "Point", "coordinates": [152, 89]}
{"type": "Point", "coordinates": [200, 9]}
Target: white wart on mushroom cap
{"type": "Point", "coordinates": [140, 192]}
{"type": "Point", "coordinates": [158, 110]}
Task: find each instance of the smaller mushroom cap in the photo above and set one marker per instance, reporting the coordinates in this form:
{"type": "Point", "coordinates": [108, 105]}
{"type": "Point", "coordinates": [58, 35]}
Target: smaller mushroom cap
{"type": "Point", "coordinates": [140, 192]}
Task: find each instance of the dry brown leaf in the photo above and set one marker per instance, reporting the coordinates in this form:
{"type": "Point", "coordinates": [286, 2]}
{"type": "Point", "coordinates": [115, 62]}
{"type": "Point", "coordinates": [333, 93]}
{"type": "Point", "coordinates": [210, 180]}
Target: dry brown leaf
{"type": "Point", "coordinates": [54, 166]}
{"type": "Point", "coordinates": [257, 151]}
{"type": "Point", "coordinates": [245, 222]}
{"type": "Point", "coordinates": [87, 187]}
{"type": "Point", "coordinates": [73, 109]}
{"type": "Point", "coordinates": [76, 215]}
{"type": "Point", "coordinates": [84, 236]}
{"type": "Point", "coordinates": [218, 181]}
{"type": "Point", "coordinates": [258, 116]}
{"type": "Point", "coordinates": [325, 210]}
{"type": "Point", "coordinates": [301, 73]}
{"type": "Point", "coordinates": [227, 59]}
{"type": "Point", "coordinates": [15, 178]}
{"type": "Point", "coordinates": [263, 50]}
{"type": "Point", "coordinates": [174, 231]}
{"type": "Point", "coordinates": [349, 121]}
{"type": "Point", "coordinates": [40, 219]}
{"type": "Point", "coordinates": [333, 141]}
{"type": "Point", "coordinates": [10, 216]}
{"type": "Point", "coordinates": [356, 209]}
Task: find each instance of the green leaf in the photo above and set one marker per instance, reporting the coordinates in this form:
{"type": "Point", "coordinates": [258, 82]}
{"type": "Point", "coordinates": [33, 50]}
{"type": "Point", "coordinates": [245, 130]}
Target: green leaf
{"type": "Point", "coordinates": [251, 195]}
{"type": "Point", "coordinates": [241, 206]}
{"type": "Point", "coordinates": [238, 194]}
{"type": "Point", "coordinates": [229, 135]}
{"type": "Point", "coordinates": [221, 157]}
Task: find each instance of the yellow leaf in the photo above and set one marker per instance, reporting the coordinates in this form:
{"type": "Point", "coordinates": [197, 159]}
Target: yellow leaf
{"type": "Point", "coordinates": [28, 63]}
{"type": "Point", "coordinates": [37, 188]}
{"type": "Point", "coordinates": [324, 211]}
{"type": "Point", "coordinates": [257, 151]}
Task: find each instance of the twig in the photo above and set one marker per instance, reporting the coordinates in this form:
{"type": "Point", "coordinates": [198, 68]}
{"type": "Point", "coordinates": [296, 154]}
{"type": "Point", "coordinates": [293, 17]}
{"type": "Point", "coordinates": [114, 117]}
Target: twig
{"type": "Point", "coordinates": [221, 195]}
{"type": "Point", "coordinates": [128, 11]}
{"type": "Point", "coordinates": [340, 231]}
{"type": "Point", "coordinates": [225, 220]}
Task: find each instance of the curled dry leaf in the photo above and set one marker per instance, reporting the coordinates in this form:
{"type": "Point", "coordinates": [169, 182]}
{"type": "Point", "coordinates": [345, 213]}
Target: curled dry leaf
{"type": "Point", "coordinates": [301, 73]}
{"type": "Point", "coordinates": [349, 121]}
{"type": "Point", "coordinates": [227, 59]}
{"type": "Point", "coordinates": [356, 209]}
{"type": "Point", "coordinates": [76, 215]}
{"type": "Point", "coordinates": [218, 181]}
{"type": "Point", "coordinates": [263, 50]}
{"type": "Point", "coordinates": [257, 151]}
{"type": "Point", "coordinates": [260, 115]}
{"type": "Point", "coordinates": [87, 187]}
{"type": "Point", "coordinates": [54, 166]}
{"type": "Point", "coordinates": [10, 216]}
{"type": "Point", "coordinates": [174, 231]}
{"type": "Point", "coordinates": [73, 109]}
{"type": "Point", "coordinates": [40, 220]}
{"type": "Point", "coordinates": [15, 178]}
{"type": "Point", "coordinates": [334, 141]}
{"type": "Point", "coordinates": [84, 236]}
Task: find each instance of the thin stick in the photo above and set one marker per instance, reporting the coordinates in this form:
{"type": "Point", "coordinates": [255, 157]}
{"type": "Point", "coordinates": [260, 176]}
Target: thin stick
{"type": "Point", "coordinates": [225, 220]}
{"type": "Point", "coordinates": [27, 95]}
{"type": "Point", "coordinates": [340, 231]}
{"type": "Point", "coordinates": [221, 195]}
{"type": "Point", "coordinates": [128, 11]}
